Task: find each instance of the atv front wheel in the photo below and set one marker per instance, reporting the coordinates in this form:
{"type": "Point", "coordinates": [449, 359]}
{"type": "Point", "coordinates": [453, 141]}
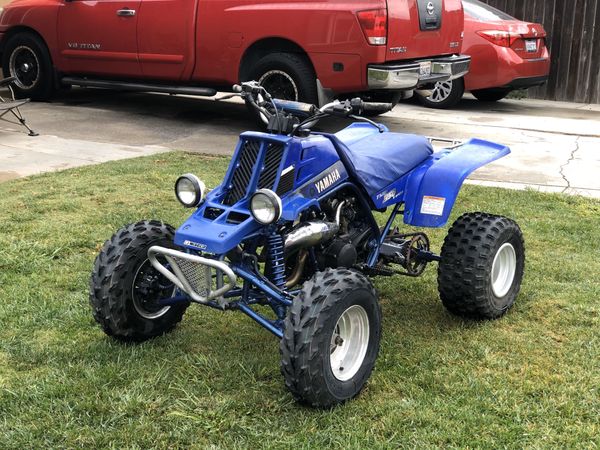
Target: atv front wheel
{"type": "Point", "coordinates": [331, 338]}
{"type": "Point", "coordinates": [125, 288]}
{"type": "Point", "coordinates": [481, 267]}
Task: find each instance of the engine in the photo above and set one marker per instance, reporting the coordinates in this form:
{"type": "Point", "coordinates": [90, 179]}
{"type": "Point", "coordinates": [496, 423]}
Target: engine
{"type": "Point", "coordinates": [337, 235]}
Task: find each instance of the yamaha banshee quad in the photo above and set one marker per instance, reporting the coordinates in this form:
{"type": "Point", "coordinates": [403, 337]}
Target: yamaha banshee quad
{"type": "Point", "coordinates": [289, 239]}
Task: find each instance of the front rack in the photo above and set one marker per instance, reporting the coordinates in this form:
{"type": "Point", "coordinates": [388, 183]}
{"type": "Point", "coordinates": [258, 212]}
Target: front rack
{"type": "Point", "coordinates": [200, 278]}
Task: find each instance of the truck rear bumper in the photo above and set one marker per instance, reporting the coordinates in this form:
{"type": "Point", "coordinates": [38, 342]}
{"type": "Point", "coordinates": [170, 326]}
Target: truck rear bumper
{"type": "Point", "coordinates": [413, 74]}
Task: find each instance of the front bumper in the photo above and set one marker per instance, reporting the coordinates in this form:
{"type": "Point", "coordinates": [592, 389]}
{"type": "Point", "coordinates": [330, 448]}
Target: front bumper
{"type": "Point", "coordinates": [414, 74]}
{"type": "Point", "coordinates": [202, 279]}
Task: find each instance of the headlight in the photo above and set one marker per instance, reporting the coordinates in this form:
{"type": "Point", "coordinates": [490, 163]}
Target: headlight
{"type": "Point", "coordinates": [189, 190]}
{"type": "Point", "coordinates": [265, 206]}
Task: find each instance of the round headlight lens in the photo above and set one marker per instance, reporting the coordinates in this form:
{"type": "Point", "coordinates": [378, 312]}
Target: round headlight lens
{"type": "Point", "coordinates": [189, 190]}
{"type": "Point", "coordinates": [265, 206]}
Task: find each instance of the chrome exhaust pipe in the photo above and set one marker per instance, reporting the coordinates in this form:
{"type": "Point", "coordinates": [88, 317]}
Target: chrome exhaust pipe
{"type": "Point", "coordinates": [310, 234]}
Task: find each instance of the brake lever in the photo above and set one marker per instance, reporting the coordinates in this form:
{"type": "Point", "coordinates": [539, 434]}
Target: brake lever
{"type": "Point", "coordinates": [364, 119]}
{"type": "Point", "coordinates": [227, 97]}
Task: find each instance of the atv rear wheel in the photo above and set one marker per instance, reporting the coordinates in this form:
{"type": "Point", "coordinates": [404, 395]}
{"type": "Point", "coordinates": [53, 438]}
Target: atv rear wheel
{"type": "Point", "coordinates": [125, 287]}
{"type": "Point", "coordinates": [331, 338]}
{"type": "Point", "coordinates": [481, 267]}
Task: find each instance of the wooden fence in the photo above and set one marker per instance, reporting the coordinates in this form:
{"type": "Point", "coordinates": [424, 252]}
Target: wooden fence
{"type": "Point", "coordinates": [573, 28]}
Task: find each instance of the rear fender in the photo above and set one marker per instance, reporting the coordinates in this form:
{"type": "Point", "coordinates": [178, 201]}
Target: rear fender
{"type": "Point", "coordinates": [432, 187]}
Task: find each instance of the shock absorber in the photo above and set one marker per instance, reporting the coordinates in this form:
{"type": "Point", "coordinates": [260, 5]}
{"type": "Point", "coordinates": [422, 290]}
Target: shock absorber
{"type": "Point", "coordinates": [276, 259]}
{"type": "Point", "coordinates": [276, 270]}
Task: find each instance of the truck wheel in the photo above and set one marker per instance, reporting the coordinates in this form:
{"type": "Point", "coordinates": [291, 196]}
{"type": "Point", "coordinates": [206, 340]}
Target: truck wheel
{"type": "Point", "coordinates": [287, 76]}
{"type": "Point", "coordinates": [445, 95]}
{"type": "Point", "coordinates": [125, 287]}
{"type": "Point", "coordinates": [481, 267]}
{"type": "Point", "coordinates": [26, 58]}
{"type": "Point", "coordinates": [331, 338]}
{"type": "Point", "coordinates": [490, 95]}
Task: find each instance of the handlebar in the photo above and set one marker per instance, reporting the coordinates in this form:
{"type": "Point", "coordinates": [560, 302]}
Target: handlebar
{"type": "Point", "coordinates": [295, 108]}
{"type": "Point", "coordinates": [377, 107]}
{"type": "Point", "coordinates": [261, 100]}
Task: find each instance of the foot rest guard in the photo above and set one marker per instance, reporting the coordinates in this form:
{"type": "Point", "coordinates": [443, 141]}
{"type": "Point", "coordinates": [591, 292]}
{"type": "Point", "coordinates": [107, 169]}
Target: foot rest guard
{"type": "Point", "coordinates": [193, 274]}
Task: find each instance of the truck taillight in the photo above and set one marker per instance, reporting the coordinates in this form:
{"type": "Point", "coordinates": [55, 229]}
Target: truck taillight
{"type": "Point", "coordinates": [374, 25]}
{"type": "Point", "coordinates": [501, 38]}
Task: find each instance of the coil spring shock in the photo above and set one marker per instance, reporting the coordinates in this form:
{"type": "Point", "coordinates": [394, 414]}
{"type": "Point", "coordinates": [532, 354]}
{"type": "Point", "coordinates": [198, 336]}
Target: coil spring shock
{"type": "Point", "coordinates": [276, 259]}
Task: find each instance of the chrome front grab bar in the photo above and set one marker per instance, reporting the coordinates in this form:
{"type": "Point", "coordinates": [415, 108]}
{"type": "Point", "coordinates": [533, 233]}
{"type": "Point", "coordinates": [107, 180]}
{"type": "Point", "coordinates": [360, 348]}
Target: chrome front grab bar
{"type": "Point", "coordinates": [193, 274]}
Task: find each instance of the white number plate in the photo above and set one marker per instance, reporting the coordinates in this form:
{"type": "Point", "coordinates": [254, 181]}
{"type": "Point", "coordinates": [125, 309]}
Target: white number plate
{"type": "Point", "coordinates": [425, 69]}
{"type": "Point", "coordinates": [531, 45]}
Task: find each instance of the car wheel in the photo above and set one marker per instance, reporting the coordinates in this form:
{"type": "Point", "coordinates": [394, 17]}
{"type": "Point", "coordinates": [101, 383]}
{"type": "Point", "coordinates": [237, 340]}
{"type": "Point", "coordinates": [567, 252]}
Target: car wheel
{"type": "Point", "coordinates": [26, 58]}
{"type": "Point", "coordinates": [490, 95]}
{"type": "Point", "coordinates": [445, 95]}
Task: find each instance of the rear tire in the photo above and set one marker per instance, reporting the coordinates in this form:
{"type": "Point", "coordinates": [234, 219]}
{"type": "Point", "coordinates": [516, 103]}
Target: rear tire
{"type": "Point", "coordinates": [26, 58]}
{"type": "Point", "coordinates": [445, 95]}
{"type": "Point", "coordinates": [331, 338]}
{"type": "Point", "coordinates": [490, 95]}
{"type": "Point", "coordinates": [124, 286]}
{"type": "Point", "coordinates": [481, 267]}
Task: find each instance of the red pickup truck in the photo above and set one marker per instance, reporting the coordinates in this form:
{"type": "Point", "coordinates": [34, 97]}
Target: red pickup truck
{"type": "Point", "coordinates": [304, 50]}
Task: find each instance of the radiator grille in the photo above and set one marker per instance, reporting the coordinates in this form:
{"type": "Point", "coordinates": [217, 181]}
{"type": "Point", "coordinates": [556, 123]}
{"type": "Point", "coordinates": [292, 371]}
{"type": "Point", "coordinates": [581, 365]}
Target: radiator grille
{"type": "Point", "coordinates": [286, 182]}
{"type": "Point", "coordinates": [250, 153]}
{"type": "Point", "coordinates": [197, 275]}
{"type": "Point", "coordinates": [243, 173]}
{"type": "Point", "coordinates": [271, 166]}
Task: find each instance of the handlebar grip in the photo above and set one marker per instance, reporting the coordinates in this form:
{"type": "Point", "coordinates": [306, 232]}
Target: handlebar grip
{"type": "Point", "coordinates": [295, 108]}
{"type": "Point", "coordinates": [377, 107]}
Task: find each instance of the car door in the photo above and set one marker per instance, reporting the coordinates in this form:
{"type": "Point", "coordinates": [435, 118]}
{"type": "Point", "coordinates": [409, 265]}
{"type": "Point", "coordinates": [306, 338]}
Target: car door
{"type": "Point", "coordinates": [99, 37]}
{"type": "Point", "coordinates": [166, 38]}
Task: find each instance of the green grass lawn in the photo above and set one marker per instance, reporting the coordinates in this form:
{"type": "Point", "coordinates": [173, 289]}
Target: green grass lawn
{"type": "Point", "coordinates": [530, 379]}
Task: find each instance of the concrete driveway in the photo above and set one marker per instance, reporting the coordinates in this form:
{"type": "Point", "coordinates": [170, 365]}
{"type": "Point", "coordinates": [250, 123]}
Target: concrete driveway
{"type": "Point", "coordinates": [555, 146]}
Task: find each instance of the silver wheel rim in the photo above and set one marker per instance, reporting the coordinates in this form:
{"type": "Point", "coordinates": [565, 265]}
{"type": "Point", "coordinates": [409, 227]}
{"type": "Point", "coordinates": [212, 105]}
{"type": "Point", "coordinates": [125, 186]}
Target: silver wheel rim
{"type": "Point", "coordinates": [441, 91]}
{"type": "Point", "coordinates": [504, 268]}
{"type": "Point", "coordinates": [138, 306]}
{"type": "Point", "coordinates": [19, 69]}
{"type": "Point", "coordinates": [282, 77]}
{"type": "Point", "coordinates": [349, 343]}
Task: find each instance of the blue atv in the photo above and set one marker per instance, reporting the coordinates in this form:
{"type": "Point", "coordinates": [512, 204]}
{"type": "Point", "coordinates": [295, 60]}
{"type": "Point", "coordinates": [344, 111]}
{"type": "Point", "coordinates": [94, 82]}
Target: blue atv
{"type": "Point", "coordinates": [290, 240]}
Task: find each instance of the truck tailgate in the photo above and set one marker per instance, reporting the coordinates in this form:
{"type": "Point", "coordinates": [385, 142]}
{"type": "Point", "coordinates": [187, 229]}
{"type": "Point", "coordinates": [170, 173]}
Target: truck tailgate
{"type": "Point", "coordinates": [422, 28]}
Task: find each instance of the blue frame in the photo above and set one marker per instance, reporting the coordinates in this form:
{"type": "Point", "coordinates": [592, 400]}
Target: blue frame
{"type": "Point", "coordinates": [427, 192]}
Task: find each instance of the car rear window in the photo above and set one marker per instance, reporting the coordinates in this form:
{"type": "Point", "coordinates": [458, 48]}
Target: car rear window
{"type": "Point", "coordinates": [480, 11]}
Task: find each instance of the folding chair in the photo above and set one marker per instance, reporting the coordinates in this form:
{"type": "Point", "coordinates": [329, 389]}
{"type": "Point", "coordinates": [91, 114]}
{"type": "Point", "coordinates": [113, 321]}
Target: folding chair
{"type": "Point", "coordinates": [8, 106]}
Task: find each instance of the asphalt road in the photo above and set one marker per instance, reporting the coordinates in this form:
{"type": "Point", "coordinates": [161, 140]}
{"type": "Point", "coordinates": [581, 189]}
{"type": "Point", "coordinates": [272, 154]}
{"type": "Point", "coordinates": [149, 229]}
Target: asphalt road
{"type": "Point", "coordinates": [555, 146]}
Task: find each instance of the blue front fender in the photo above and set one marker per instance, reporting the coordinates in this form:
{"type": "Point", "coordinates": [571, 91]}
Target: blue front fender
{"type": "Point", "coordinates": [432, 188]}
